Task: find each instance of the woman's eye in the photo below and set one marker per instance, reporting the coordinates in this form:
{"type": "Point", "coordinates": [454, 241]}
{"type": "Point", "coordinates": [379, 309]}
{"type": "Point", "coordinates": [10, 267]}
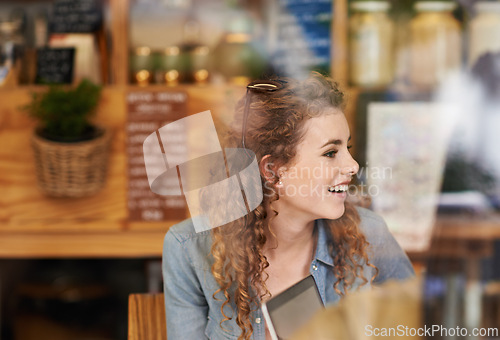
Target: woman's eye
{"type": "Point", "coordinates": [349, 147]}
{"type": "Point", "coordinates": [330, 154]}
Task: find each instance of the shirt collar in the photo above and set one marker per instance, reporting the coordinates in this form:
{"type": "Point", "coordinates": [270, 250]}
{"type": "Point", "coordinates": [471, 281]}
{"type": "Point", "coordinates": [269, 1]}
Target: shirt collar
{"type": "Point", "coordinates": [322, 253]}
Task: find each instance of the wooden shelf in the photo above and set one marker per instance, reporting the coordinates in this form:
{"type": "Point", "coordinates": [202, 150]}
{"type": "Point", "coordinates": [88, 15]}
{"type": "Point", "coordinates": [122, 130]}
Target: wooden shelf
{"type": "Point", "coordinates": [119, 244]}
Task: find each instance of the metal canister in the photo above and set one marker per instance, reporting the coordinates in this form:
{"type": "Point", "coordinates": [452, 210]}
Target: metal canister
{"type": "Point", "coordinates": [435, 43]}
{"type": "Point", "coordinates": [371, 44]}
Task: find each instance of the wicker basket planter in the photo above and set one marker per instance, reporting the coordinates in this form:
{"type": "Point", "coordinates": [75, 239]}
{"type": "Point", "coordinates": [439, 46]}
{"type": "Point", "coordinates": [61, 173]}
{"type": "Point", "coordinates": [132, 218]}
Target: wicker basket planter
{"type": "Point", "coordinates": [71, 169]}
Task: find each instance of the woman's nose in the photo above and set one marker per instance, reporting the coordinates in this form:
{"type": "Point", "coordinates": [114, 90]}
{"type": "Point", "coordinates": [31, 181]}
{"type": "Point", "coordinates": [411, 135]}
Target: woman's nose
{"type": "Point", "coordinates": [351, 168]}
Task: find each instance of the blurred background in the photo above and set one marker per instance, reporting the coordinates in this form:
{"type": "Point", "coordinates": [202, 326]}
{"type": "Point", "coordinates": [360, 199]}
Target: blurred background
{"type": "Point", "coordinates": [80, 229]}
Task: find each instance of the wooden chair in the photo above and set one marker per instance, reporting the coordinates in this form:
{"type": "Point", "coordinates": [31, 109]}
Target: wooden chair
{"type": "Point", "coordinates": [146, 317]}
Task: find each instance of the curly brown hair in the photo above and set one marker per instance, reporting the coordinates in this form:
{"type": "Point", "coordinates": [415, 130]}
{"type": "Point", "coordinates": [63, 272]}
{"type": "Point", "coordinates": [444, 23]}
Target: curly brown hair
{"type": "Point", "coordinates": [275, 128]}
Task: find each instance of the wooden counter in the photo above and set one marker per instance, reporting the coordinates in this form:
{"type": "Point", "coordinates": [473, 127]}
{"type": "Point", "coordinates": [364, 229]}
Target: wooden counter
{"type": "Point", "coordinates": [35, 226]}
{"type": "Point", "coordinates": [461, 237]}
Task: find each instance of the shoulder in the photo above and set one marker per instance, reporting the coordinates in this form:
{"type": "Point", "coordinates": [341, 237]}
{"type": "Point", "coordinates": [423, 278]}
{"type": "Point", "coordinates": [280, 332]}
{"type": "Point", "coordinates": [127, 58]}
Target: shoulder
{"type": "Point", "coordinates": [367, 216]}
{"type": "Point", "coordinates": [184, 231]}
{"type": "Point", "coordinates": [182, 237]}
{"type": "Point", "coordinates": [385, 252]}
{"type": "Point", "coordinates": [373, 226]}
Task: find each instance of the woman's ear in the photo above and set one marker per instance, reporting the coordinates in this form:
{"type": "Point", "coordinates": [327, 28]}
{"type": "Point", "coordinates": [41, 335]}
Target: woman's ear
{"type": "Point", "coordinates": [268, 169]}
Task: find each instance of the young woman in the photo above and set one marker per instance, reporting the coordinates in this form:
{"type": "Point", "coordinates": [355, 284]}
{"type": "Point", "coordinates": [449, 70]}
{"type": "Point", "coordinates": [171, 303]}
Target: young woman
{"type": "Point", "coordinates": [215, 280]}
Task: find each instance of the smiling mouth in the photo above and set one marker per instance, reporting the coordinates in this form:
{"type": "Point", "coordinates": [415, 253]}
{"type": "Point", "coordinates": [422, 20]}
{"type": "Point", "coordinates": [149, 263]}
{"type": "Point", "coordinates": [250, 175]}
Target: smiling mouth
{"type": "Point", "coordinates": [338, 188]}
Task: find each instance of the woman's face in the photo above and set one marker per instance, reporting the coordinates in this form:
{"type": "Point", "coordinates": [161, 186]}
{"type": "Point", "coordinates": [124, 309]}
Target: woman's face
{"type": "Point", "coordinates": [322, 164]}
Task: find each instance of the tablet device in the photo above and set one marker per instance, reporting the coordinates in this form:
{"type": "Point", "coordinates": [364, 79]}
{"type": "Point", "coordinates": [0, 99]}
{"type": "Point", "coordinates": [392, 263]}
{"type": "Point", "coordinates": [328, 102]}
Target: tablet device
{"type": "Point", "coordinates": [286, 312]}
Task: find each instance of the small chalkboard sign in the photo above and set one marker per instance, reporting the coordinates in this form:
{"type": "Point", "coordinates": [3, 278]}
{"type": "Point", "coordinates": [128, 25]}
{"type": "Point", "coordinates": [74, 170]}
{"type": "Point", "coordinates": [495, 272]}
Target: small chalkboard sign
{"type": "Point", "coordinates": [147, 112]}
{"type": "Point", "coordinates": [55, 65]}
{"type": "Point", "coordinates": [299, 53]}
{"type": "Point", "coordinates": [76, 16]}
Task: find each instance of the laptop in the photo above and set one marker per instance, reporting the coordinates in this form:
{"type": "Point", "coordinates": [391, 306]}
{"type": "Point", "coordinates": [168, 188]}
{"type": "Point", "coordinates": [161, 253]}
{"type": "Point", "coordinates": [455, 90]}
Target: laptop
{"type": "Point", "coordinates": [288, 311]}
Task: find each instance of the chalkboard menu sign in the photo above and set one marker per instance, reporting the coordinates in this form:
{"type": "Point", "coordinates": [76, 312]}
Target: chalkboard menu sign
{"type": "Point", "coordinates": [147, 112]}
{"type": "Point", "coordinates": [76, 16]}
{"type": "Point", "coordinates": [55, 65]}
{"type": "Point", "coordinates": [303, 37]}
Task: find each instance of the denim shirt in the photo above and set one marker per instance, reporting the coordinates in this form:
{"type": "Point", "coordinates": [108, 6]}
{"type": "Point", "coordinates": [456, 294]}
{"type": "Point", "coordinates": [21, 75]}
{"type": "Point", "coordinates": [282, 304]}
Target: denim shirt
{"type": "Point", "coordinates": [193, 313]}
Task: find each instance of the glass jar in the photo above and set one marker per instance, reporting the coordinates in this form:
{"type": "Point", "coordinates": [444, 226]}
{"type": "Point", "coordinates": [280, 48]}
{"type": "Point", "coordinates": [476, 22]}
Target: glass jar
{"type": "Point", "coordinates": [200, 64]}
{"type": "Point", "coordinates": [193, 53]}
{"type": "Point", "coordinates": [237, 57]}
{"type": "Point", "coordinates": [371, 44]}
{"type": "Point", "coordinates": [484, 30]}
{"type": "Point", "coordinates": [170, 66]}
{"type": "Point", "coordinates": [142, 64]}
{"type": "Point", "coordinates": [435, 43]}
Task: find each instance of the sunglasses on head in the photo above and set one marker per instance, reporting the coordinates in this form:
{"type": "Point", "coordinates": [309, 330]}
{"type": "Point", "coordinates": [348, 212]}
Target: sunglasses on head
{"type": "Point", "coordinates": [261, 86]}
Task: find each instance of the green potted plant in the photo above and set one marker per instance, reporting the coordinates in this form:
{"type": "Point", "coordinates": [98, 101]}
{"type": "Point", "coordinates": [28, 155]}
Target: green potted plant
{"type": "Point", "coordinates": [70, 151]}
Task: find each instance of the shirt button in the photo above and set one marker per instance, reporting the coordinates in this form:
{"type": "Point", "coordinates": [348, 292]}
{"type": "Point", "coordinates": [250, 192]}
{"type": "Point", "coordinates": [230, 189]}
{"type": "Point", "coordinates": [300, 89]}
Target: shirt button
{"type": "Point", "coordinates": [257, 320]}
{"type": "Point", "coordinates": [315, 267]}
